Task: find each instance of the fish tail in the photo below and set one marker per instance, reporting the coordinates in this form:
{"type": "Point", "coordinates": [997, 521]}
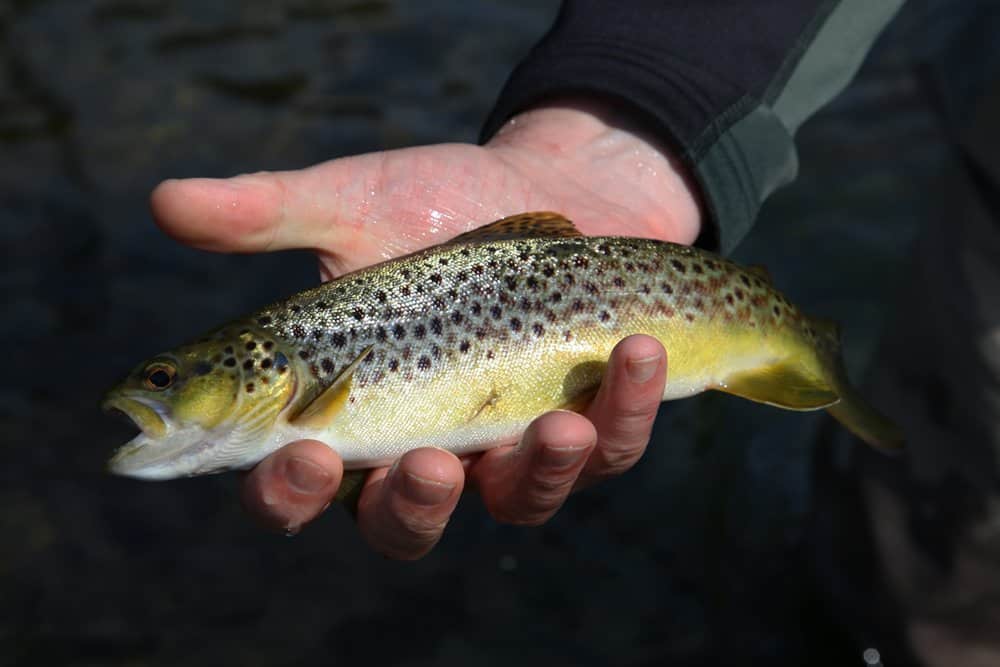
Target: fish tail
{"type": "Point", "coordinates": [853, 410]}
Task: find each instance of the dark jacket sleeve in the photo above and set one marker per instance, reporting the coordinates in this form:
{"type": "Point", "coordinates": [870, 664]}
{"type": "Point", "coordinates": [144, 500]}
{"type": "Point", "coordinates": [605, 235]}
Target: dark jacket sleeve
{"type": "Point", "coordinates": [726, 83]}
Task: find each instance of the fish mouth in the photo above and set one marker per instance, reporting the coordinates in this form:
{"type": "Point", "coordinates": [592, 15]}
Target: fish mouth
{"type": "Point", "coordinates": [149, 454]}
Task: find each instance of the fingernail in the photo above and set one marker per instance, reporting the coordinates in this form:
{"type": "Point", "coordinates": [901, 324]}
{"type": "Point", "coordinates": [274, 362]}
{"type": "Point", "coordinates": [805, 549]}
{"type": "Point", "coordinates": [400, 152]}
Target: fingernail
{"type": "Point", "coordinates": [640, 370]}
{"type": "Point", "coordinates": [425, 491]}
{"type": "Point", "coordinates": [563, 457]}
{"type": "Point", "coordinates": [305, 476]}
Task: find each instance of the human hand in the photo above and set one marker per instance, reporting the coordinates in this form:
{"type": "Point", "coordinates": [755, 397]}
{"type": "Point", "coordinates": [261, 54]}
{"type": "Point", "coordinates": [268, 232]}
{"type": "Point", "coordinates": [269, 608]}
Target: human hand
{"type": "Point", "coordinates": [571, 157]}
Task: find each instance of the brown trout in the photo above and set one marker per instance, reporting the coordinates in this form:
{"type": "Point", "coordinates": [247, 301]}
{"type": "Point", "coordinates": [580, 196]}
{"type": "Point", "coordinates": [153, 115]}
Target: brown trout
{"type": "Point", "coordinates": [461, 345]}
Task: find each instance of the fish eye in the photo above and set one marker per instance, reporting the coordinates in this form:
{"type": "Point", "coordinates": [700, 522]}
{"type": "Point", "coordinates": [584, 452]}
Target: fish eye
{"type": "Point", "coordinates": [159, 377]}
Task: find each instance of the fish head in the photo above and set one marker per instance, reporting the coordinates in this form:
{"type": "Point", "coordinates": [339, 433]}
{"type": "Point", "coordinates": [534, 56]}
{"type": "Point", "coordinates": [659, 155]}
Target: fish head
{"type": "Point", "coordinates": [204, 407]}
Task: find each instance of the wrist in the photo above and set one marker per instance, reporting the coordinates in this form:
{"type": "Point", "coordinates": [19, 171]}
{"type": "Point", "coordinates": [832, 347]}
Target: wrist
{"type": "Point", "coordinates": [608, 153]}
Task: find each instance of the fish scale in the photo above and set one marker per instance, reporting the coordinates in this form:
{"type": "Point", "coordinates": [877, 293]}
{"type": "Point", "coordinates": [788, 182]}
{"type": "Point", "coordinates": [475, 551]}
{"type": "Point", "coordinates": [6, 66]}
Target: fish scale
{"type": "Point", "coordinates": [461, 345]}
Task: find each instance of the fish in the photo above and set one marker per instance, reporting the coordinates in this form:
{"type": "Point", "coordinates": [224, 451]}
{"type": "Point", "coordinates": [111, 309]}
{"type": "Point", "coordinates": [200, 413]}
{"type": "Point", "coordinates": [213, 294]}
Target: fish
{"type": "Point", "coordinates": [463, 344]}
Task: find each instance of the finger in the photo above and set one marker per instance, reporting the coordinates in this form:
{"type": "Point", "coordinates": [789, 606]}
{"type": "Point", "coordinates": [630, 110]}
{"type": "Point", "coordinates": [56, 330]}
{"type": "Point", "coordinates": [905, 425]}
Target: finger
{"type": "Point", "coordinates": [527, 484]}
{"type": "Point", "coordinates": [403, 510]}
{"type": "Point", "coordinates": [267, 210]}
{"type": "Point", "coordinates": [625, 406]}
{"type": "Point", "coordinates": [292, 486]}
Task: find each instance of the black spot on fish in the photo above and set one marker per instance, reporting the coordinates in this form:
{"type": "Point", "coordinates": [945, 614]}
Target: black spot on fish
{"type": "Point", "coordinates": [338, 339]}
{"type": "Point", "coordinates": [424, 363]}
{"type": "Point", "coordinates": [295, 308]}
{"type": "Point", "coordinates": [739, 294]}
{"type": "Point", "coordinates": [265, 363]}
{"type": "Point", "coordinates": [515, 324]}
{"type": "Point", "coordinates": [464, 346]}
{"type": "Point", "coordinates": [268, 345]}
{"type": "Point", "coordinates": [398, 332]}
{"type": "Point", "coordinates": [555, 297]}
{"type": "Point", "coordinates": [229, 362]}
{"type": "Point", "coordinates": [496, 312]}
{"type": "Point", "coordinates": [327, 365]}
{"type": "Point", "coordinates": [605, 316]}
{"type": "Point", "coordinates": [461, 276]}
{"type": "Point", "coordinates": [380, 334]}
{"type": "Point", "coordinates": [511, 283]}
{"type": "Point", "coordinates": [419, 331]}
{"type": "Point", "coordinates": [618, 281]}
{"type": "Point", "coordinates": [248, 364]}
{"type": "Point", "coordinates": [480, 333]}
{"type": "Point", "coordinates": [405, 290]}
{"type": "Point", "coordinates": [531, 282]}
{"type": "Point", "coordinates": [548, 271]}
{"type": "Point", "coordinates": [478, 269]}
{"type": "Point", "coordinates": [581, 262]}
{"type": "Point", "coordinates": [438, 303]}
{"type": "Point", "coordinates": [538, 329]}
{"type": "Point", "coordinates": [746, 281]}
{"type": "Point", "coordinates": [436, 277]}
{"type": "Point", "coordinates": [476, 308]}
{"type": "Point", "coordinates": [202, 368]}
{"type": "Point", "coordinates": [263, 321]}
{"type": "Point", "coordinates": [456, 317]}
{"type": "Point", "coordinates": [249, 387]}
{"type": "Point", "coordinates": [381, 296]}
{"type": "Point", "coordinates": [358, 314]}
{"type": "Point", "coordinates": [697, 268]}
{"type": "Point", "coordinates": [436, 326]}
{"type": "Point", "coordinates": [298, 331]}
{"type": "Point", "coordinates": [251, 345]}
{"type": "Point", "coordinates": [394, 365]}
{"type": "Point", "coordinates": [443, 261]}
{"type": "Point", "coordinates": [729, 299]}
{"type": "Point", "coordinates": [304, 354]}
{"type": "Point", "coordinates": [678, 265]}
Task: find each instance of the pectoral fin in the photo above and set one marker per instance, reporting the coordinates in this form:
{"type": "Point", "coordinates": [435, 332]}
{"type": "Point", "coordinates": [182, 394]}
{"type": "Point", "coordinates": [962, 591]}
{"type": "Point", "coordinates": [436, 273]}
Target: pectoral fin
{"type": "Point", "coordinates": [782, 385]}
{"type": "Point", "coordinates": [322, 410]}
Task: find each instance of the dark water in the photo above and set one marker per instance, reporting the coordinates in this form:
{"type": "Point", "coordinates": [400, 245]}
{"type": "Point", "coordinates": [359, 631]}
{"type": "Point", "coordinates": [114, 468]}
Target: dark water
{"type": "Point", "coordinates": [696, 557]}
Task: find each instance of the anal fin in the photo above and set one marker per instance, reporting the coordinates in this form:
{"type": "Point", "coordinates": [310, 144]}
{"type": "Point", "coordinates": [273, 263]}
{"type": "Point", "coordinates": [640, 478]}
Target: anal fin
{"type": "Point", "coordinates": [782, 385]}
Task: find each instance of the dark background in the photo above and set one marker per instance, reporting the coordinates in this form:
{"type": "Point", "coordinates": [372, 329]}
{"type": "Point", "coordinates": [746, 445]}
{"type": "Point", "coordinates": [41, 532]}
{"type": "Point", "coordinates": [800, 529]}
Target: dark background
{"type": "Point", "coordinates": [695, 557]}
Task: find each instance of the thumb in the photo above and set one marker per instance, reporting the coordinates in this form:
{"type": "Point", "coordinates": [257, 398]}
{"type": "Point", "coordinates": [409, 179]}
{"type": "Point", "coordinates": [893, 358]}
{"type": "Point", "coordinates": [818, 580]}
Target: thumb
{"type": "Point", "coordinates": [266, 211]}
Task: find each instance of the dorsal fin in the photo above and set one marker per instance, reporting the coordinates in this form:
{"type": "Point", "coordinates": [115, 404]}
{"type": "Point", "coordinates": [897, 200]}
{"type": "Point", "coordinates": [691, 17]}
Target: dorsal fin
{"type": "Point", "coordinates": [321, 411]}
{"type": "Point", "coordinates": [760, 271]}
{"type": "Point", "coordinates": [537, 224]}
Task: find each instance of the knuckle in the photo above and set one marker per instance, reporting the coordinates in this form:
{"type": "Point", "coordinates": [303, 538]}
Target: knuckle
{"type": "Point", "coordinates": [419, 527]}
{"type": "Point", "coordinates": [614, 461]}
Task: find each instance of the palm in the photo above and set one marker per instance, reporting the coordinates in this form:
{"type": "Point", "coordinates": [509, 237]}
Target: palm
{"type": "Point", "coordinates": [408, 199]}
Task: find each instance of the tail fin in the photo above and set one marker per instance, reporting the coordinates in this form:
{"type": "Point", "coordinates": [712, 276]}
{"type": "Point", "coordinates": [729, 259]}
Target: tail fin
{"type": "Point", "coordinates": [853, 410]}
{"type": "Point", "coordinates": [861, 419]}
